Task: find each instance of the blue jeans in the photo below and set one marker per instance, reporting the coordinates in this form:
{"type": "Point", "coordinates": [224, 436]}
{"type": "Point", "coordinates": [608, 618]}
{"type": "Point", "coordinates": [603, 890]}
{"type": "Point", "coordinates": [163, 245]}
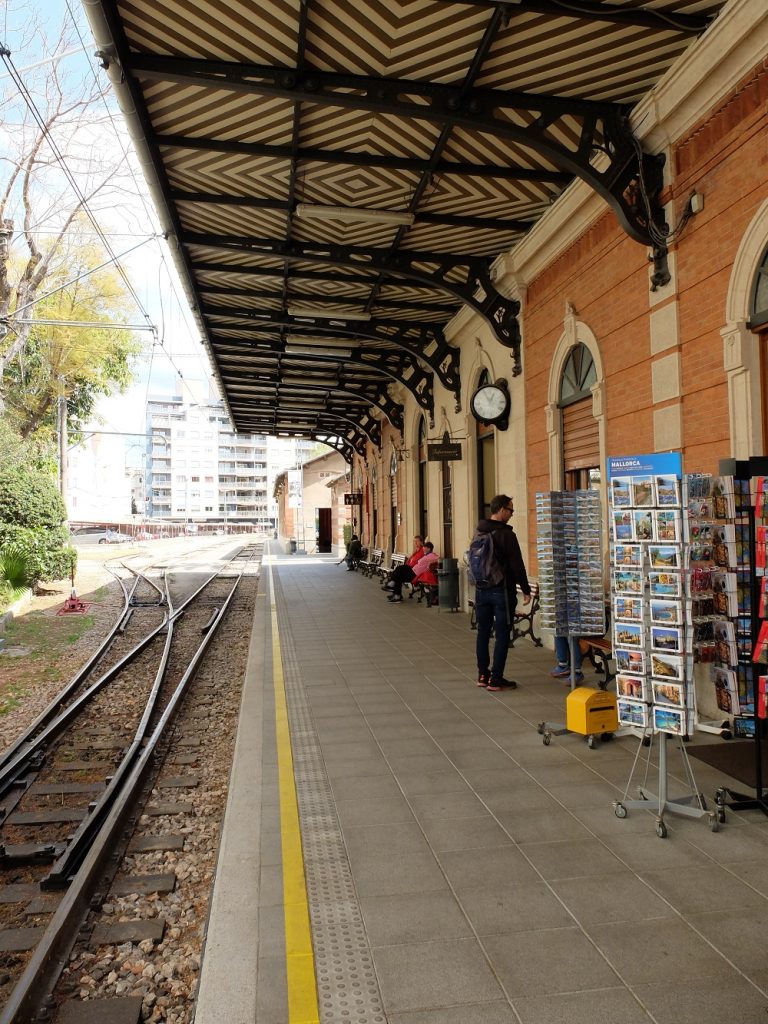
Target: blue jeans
{"type": "Point", "coordinates": [493, 608]}
{"type": "Point", "coordinates": [562, 651]}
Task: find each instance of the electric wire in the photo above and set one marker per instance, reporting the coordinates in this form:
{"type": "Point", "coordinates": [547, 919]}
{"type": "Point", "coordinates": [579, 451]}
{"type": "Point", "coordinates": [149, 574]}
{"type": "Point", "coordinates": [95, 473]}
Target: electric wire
{"type": "Point", "coordinates": [148, 209]}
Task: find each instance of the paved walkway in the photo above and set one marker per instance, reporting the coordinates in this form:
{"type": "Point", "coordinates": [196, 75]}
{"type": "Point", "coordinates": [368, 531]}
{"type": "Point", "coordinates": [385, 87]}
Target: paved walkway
{"type": "Point", "coordinates": [458, 870]}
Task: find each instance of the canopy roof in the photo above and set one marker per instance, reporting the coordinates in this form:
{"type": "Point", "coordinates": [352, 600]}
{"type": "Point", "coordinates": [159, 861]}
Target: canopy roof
{"type": "Point", "coordinates": [339, 176]}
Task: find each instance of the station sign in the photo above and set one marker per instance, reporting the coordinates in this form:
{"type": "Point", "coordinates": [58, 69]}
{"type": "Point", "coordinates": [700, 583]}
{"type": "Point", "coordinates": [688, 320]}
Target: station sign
{"type": "Point", "coordinates": [444, 451]}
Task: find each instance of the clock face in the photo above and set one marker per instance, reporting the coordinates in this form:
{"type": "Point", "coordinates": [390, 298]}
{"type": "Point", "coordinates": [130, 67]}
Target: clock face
{"type": "Point", "coordinates": [489, 403]}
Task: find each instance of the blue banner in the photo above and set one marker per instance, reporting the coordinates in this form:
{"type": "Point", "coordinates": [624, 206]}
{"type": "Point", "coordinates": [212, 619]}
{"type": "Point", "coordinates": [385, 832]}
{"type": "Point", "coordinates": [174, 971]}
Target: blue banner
{"type": "Point", "coordinates": [668, 463]}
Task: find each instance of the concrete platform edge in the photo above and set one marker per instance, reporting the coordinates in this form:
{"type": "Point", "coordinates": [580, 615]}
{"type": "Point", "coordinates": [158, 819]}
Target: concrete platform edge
{"type": "Point", "coordinates": [228, 976]}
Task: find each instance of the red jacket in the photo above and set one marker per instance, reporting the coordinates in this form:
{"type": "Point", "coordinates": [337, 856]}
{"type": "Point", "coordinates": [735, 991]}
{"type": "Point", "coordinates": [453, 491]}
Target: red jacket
{"type": "Point", "coordinates": [417, 554]}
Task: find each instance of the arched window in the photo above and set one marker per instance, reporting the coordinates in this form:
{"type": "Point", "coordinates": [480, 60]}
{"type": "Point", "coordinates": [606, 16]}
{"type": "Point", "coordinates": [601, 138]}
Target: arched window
{"type": "Point", "coordinates": [759, 306]}
{"type": "Point", "coordinates": [486, 459]}
{"type": "Point", "coordinates": [579, 375]}
{"type": "Point", "coordinates": [421, 512]}
{"type": "Point", "coordinates": [580, 431]}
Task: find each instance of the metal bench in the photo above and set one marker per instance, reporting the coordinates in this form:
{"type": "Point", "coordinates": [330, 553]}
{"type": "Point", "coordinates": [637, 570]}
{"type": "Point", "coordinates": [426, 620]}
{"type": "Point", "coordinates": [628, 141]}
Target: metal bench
{"type": "Point", "coordinates": [523, 624]}
{"type": "Point", "coordinates": [425, 590]}
{"type": "Point", "coordinates": [385, 571]}
{"type": "Point", "coordinates": [370, 565]}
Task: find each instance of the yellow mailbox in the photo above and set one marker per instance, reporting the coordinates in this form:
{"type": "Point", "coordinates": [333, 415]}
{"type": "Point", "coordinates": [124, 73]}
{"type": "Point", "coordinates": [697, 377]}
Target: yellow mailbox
{"type": "Point", "coordinates": [591, 712]}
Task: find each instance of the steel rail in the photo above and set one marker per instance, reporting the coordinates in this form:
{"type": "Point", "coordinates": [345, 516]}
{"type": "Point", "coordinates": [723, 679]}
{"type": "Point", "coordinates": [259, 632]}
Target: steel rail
{"type": "Point", "coordinates": [14, 767]}
{"type": "Point", "coordinates": [30, 993]}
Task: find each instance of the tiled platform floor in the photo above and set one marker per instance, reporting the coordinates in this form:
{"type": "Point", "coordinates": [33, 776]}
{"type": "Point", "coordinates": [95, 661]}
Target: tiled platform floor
{"type": "Point", "coordinates": [495, 883]}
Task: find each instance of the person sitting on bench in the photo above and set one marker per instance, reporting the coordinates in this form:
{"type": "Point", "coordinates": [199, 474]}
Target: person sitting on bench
{"type": "Point", "coordinates": [404, 573]}
{"type": "Point", "coordinates": [354, 553]}
{"type": "Point", "coordinates": [563, 668]}
{"type": "Point", "coordinates": [423, 571]}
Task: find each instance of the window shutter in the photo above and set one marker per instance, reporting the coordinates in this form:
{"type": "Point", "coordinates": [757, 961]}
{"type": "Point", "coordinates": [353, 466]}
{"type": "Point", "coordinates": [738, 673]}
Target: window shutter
{"type": "Point", "coordinates": [581, 440]}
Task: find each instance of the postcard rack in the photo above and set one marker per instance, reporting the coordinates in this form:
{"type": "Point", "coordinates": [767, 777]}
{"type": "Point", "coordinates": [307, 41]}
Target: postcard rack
{"type": "Point", "coordinates": [751, 488]}
{"type": "Point", "coordinates": [569, 550]}
{"type": "Point", "coordinates": [652, 625]}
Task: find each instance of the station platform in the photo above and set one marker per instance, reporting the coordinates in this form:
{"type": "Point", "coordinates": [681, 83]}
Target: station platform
{"type": "Point", "coordinates": [400, 847]}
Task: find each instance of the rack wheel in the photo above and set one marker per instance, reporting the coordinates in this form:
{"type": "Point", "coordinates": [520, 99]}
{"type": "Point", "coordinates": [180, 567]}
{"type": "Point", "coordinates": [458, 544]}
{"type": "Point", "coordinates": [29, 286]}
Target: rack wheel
{"type": "Point", "coordinates": [591, 741]}
{"type": "Point", "coordinates": [721, 815]}
{"type": "Point", "coordinates": [619, 809]}
{"type": "Point", "coordinates": [540, 728]}
{"type": "Point", "coordinates": [546, 737]}
{"type": "Point", "coordinates": [661, 829]}
{"type": "Point", "coordinates": [646, 741]}
{"type": "Point", "coordinates": [714, 823]}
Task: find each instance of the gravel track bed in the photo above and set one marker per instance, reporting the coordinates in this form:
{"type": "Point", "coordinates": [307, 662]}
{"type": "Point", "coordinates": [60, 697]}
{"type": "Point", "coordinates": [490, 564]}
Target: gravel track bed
{"type": "Point", "coordinates": [165, 974]}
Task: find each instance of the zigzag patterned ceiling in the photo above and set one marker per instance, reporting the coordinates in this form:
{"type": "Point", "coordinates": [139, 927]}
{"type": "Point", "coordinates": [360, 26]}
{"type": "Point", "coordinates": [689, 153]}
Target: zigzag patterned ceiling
{"type": "Point", "coordinates": [469, 116]}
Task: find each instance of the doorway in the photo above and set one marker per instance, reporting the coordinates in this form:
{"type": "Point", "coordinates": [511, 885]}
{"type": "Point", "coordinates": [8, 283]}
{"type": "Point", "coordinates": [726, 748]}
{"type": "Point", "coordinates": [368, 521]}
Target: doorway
{"type": "Point", "coordinates": [324, 537]}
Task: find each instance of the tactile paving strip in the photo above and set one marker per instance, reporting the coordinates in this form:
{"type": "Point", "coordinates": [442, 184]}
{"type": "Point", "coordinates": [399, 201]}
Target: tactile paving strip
{"type": "Point", "coordinates": [348, 990]}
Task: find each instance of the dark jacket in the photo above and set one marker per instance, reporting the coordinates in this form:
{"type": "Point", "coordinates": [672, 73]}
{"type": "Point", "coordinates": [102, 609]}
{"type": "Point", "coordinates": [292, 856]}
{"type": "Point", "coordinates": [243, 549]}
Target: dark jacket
{"type": "Point", "coordinates": [508, 551]}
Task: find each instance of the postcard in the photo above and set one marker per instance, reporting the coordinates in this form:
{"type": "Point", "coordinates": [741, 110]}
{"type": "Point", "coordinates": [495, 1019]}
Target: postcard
{"type": "Point", "coordinates": [627, 634]}
{"type": "Point", "coordinates": [626, 555]}
{"type": "Point", "coordinates": [668, 693]}
{"type": "Point", "coordinates": [743, 727]}
{"type": "Point", "coordinates": [664, 556]}
{"type": "Point", "coordinates": [667, 666]}
{"type": "Point", "coordinates": [642, 492]}
{"type": "Point", "coordinates": [630, 608]}
{"type": "Point", "coordinates": [633, 712]}
{"type": "Point", "coordinates": [665, 584]}
{"type": "Point", "coordinates": [667, 491]}
{"type": "Point", "coordinates": [631, 686]}
{"type": "Point", "coordinates": [626, 581]}
{"type": "Point", "coordinates": [667, 638]}
{"type": "Point", "coordinates": [623, 525]}
{"type": "Point", "coordinates": [668, 720]}
{"type": "Point", "coordinates": [643, 524]}
{"type": "Point", "coordinates": [666, 526]}
{"type": "Point", "coordinates": [670, 612]}
{"type": "Point", "coordinates": [630, 661]}
{"type": "Point", "coordinates": [698, 485]}
{"type": "Point", "coordinates": [621, 491]}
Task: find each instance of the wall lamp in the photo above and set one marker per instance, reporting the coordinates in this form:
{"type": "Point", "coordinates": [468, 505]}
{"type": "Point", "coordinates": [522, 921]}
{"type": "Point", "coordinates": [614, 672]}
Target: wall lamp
{"type": "Point", "coordinates": [352, 214]}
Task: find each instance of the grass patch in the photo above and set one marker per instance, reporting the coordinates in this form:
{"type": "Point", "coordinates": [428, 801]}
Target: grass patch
{"type": "Point", "coordinates": [41, 633]}
{"type": "Point", "coordinates": [11, 698]}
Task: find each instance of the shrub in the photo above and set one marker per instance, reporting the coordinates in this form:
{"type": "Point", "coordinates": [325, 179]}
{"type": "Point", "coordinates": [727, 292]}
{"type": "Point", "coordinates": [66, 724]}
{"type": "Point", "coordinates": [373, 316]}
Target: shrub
{"type": "Point", "coordinates": [44, 552]}
{"type": "Point", "coordinates": [29, 498]}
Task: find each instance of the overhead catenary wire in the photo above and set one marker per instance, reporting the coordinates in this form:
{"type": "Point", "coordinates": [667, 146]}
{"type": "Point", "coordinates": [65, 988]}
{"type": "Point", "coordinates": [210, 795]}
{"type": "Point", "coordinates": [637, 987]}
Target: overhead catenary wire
{"type": "Point", "coordinates": [14, 75]}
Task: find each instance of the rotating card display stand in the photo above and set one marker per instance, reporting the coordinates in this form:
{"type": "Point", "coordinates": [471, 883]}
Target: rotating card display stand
{"type": "Point", "coordinates": [572, 602]}
{"type": "Point", "coordinates": [652, 624]}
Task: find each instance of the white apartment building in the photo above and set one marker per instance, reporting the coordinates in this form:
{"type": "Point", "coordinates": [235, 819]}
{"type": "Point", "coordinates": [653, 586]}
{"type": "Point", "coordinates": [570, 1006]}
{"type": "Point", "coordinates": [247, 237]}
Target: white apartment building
{"type": "Point", "coordinates": [198, 469]}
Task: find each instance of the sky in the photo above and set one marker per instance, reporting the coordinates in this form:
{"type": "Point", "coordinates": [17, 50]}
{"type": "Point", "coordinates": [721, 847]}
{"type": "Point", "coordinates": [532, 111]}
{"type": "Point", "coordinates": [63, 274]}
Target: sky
{"type": "Point", "coordinates": [29, 29]}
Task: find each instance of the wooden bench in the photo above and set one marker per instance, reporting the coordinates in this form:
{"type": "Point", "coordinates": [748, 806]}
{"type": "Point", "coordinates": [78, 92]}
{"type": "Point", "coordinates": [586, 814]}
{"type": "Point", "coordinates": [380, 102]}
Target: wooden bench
{"type": "Point", "coordinates": [523, 624]}
{"type": "Point", "coordinates": [369, 566]}
{"type": "Point", "coordinates": [385, 571]}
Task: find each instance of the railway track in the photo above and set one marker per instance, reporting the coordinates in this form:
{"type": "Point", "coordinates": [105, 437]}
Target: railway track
{"type": "Point", "coordinates": [71, 785]}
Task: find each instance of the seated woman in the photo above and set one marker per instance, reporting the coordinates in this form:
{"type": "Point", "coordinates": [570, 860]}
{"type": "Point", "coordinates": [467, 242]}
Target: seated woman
{"type": "Point", "coordinates": [423, 571]}
{"type": "Point", "coordinates": [404, 573]}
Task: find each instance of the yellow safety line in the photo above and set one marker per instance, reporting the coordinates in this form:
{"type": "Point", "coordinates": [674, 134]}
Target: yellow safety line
{"type": "Point", "coordinates": [299, 957]}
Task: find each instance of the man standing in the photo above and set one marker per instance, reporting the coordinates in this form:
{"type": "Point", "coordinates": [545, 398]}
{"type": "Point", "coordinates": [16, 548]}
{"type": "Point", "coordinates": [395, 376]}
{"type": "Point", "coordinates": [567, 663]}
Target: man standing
{"type": "Point", "coordinates": [495, 602]}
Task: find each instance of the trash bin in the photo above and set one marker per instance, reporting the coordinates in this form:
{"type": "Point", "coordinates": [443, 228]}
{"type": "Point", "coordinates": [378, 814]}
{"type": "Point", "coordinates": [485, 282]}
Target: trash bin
{"type": "Point", "coordinates": [448, 584]}
{"type": "Point", "coordinates": [291, 547]}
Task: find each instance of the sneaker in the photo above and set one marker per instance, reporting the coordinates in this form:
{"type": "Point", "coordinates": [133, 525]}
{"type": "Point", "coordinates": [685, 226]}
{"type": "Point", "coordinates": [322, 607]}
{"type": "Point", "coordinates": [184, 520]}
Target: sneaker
{"type": "Point", "coordinates": [395, 598]}
{"type": "Point", "coordinates": [578, 679]}
{"type": "Point", "coordinates": [483, 678]}
{"type": "Point", "coordinates": [501, 684]}
{"type": "Point", "coordinates": [560, 672]}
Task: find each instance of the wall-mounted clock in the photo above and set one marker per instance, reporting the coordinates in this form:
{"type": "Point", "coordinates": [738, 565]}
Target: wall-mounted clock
{"type": "Point", "coordinates": [491, 403]}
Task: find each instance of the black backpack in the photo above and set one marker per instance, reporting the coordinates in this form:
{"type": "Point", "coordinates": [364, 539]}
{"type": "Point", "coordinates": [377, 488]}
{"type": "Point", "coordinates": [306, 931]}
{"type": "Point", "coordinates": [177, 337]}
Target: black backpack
{"type": "Point", "coordinates": [484, 568]}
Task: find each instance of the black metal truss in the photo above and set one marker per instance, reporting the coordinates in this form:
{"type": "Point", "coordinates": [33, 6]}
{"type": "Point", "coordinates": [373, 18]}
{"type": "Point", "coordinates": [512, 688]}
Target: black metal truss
{"type": "Point", "coordinates": [604, 127]}
{"type": "Point", "coordinates": [370, 391]}
{"type": "Point", "coordinates": [584, 10]}
{"type": "Point", "coordinates": [310, 298]}
{"type": "Point", "coordinates": [285, 206]}
{"type": "Point", "coordinates": [476, 290]}
{"type": "Point", "coordinates": [425, 341]}
{"type": "Point", "coordinates": [394, 363]}
{"type": "Point", "coordinates": [442, 168]}
{"type": "Point", "coordinates": [358, 432]}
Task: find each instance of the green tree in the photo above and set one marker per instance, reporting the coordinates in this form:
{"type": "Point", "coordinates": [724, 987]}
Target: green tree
{"type": "Point", "coordinates": [76, 363]}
